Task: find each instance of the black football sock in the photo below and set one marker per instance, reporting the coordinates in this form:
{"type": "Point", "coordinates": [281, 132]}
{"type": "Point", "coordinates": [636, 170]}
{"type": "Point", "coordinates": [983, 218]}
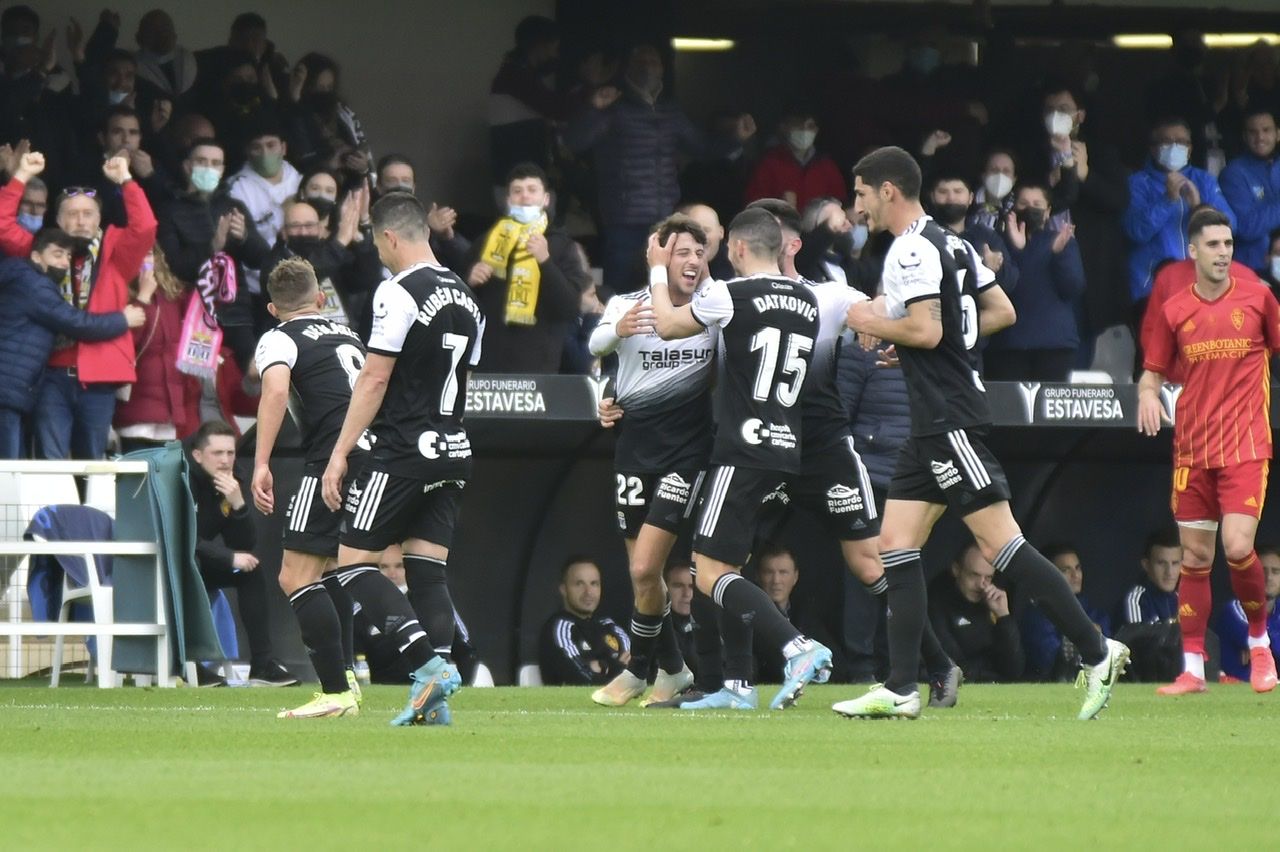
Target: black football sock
{"type": "Point", "coordinates": [1023, 564]}
{"type": "Point", "coordinates": [346, 609]}
{"type": "Point", "coordinates": [936, 660]}
{"type": "Point", "coordinates": [670, 660]}
{"type": "Point", "coordinates": [644, 637]}
{"type": "Point", "coordinates": [429, 594]}
{"type": "Point", "coordinates": [707, 645]}
{"type": "Point", "coordinates": [388, 611]}
{"type": "Point", "coordinates": [906, 617]}
{"type": "Point", "coordinates": [746, 601]}
{"type": "Point", "coordinates": [739, 656]}
{"type": "Point", "coordinates": [318, 622]}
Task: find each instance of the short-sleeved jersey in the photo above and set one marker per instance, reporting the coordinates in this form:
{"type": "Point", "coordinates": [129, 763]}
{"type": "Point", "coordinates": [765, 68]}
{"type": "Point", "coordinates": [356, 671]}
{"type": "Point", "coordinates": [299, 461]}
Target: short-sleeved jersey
{"type": "Point", "coordinates": [428, 320]}
{"type": "Point", "coordinates": [1222, 350]}
{"type": "Point", "coordinates": [929, 262]}
{"type": "Point", "coordinates": [768, 325]}
{"type": "Point", "coordinates": [664, 386]}
{"type": "Point", "coordinates": [825, 421]}
{"type": "Point", "coordinates": [324, 357]}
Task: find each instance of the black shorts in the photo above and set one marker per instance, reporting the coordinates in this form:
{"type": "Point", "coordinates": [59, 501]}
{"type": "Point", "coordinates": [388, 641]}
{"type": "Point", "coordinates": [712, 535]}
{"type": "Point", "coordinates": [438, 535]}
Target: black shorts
{"type": "Point", "coordinates": [309, 526]}
{"type": "Point", "coordinates": [839, 496]}
{"type": "Point", "coordinates": [953, 469]}
{"type": "Point", "coordinates": [733, 501]}
{"type": "Point", "coordinates": [665, 501]}
{"type": "Point", "coordinates": [382, 509]}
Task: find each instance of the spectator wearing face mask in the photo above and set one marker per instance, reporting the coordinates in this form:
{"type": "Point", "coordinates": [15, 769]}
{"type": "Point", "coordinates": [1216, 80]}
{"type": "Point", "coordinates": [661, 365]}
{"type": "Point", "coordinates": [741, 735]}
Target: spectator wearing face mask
{"type": "Point", "coordinates": [993, 201]}
{"type": "Point", "coordinates": [241, 108]}
{"type": "Point", "coordinates": [832, 247]}
{"type": "Point", "coordinates": [163, 64]}
{"type": "Point", "coordinates": [529, 281]}
{"type": "Point", "coordinates": [1041, 345]}
{"type": "Point", "coordinates": [319, 188]}
{"type": "Point", "coordinates": [204, 220]}
{"type": "Point", "coordinates": [1162, 196]}
{"type": "Point", "coordinates": [950, 201]}
{"type": "Point", "coordinates": [793, 170]}
{"type": "Point", "coordinates": [322, 130]}
{"type": "Point", "coordinates": [33, 206]}
{"type": "Point", "coordinates": [32, 314]}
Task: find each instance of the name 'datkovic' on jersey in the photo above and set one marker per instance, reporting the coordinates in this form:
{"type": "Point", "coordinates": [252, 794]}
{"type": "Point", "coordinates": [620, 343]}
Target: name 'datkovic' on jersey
{"type": "Point", "coordinates": [778, 302]}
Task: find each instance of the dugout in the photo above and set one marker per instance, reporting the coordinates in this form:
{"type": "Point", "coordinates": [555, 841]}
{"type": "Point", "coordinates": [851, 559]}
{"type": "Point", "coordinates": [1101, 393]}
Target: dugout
{"type": "Point", "coordinates": [543, 490]}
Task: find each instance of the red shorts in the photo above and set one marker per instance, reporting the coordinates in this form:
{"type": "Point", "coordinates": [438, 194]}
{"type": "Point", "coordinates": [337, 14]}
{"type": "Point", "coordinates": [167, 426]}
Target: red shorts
{"type": "Point", "coordinates": [1201, 494]}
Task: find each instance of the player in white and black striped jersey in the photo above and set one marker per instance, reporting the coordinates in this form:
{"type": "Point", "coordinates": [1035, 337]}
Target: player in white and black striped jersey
{"type": "Point", "coordinates": [308, 364]}
{"type": "Point", "coordinates": [426, 335]}
{"type": "Point", "coordinates": [660, 458]}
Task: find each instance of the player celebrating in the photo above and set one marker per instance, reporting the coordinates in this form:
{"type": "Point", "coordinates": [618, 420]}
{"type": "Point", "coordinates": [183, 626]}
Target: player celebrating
{"type": "Point", "coordinates": [1217, 335]}
{"type": "Point", "coordinates": [936, 303]}
{"type": "Point", "coordinates": [426, 331]}
{"type": "Point", "coordinates": [833, 484]}
{"type": "Point", "coordinates": [664, 387]}
{"type": "Point", "coordinates": [768, 324]}
{"type": "Point", "coordinates": [308, 364]}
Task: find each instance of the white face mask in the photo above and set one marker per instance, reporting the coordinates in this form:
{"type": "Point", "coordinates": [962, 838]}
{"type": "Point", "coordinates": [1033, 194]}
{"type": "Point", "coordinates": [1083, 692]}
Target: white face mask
{"type": "Point", "coordinates": [997, 185]}
{"type": "Point", "coordinates": [114, 97]}
{"type": "Point", "coordinates": [1058, 123]}
{"type": "Point", "coordinates": [1174, 157]}
{"type": "Point", "coordinates": [524, 214]}
{"type": "Point", "coordinates": [1275, 268]}
{"type": "Point", "coordinates": [801, 140]}
{"type": "Point", "coordinates": [860, 234]}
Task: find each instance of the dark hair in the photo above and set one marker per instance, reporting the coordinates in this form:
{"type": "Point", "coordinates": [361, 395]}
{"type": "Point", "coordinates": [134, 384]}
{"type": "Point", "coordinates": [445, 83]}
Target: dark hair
{"type": "Point", "coordinates": [248, 21]}
{"type": "Point", "coordinates": [1053, 85]}
{"type": "Point", "coordinates": [949, 175]}
{"type": "Point", "coordinates": [52, 236]}
{"type": "Point", "coordinates": [676, 565]}
{"type": "Point", "coordinates": [576, 559]}
{"type": "Point", "coordinates": [119, 54]}
{"type": "Point", "coordinates": [1058, 548]}
{"type": "Point", "coordinates": [759, 229]}
{"type": "Point", "coordinates": [312, 172]}
{"type": "Point", "coordinates": [771, 550]}
{"type": "Point", "coordinates": [533, 30]}
{"type": "Point", "coordinates": [118, 111]}
{"type": "Point", "coordinates": [1266, 549]}
{"type": "Point", "coordinates": [786, 214]}
{"type": "Point", "coordinates": [1255, 109]}
{"type": "Point", "coordinates": [1163, 537]}
{"type": "Point", "coordinates": [1271, 237]}
{"type": "Point", "coordinates": [292, 284]}
{"type": "Point", "coordinates": [264, 125]}
{"type": "Point", "coordinates": [1206, 218]}
{"type": "Point", "coordinates": [678, 223]}
{"type": "Point", "coordinates": [16, 14]}
{"type": "Point", "coordinates": [401, 213]}
{"type": "Point", "coordinates": [210, 429]}
{"type": "Point", "coordinates": [890, 165]}
{"type": "Point", "coordinates": [521, 171]}
{"type": "Point", "coordinates": [1170, 121]}
{"type": "Point", "coordinates": [204, 142]}
{"type": "Point", "coordinates": [316, 64]}
{"type": "Point", "coordinates": [393, 160]}
{"type": "Point", "coordinates": [1033, 184]}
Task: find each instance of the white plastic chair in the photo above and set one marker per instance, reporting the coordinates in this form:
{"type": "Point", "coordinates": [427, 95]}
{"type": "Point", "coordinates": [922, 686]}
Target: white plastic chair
{"type": "Point", "coordinates": [483, 677]}
{"type": "Point", "coordinates": [529, 675]}
{"type": "Point", "coordinates": [100, 493]}
{"type": "Point", "coordinates": [100, 598]}
{"type": "Point", "coordinates": [1089, 377]}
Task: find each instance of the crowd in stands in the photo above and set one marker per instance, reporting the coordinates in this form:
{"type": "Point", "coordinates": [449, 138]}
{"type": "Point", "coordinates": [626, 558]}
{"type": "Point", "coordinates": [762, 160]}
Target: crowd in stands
{"type": "Point", "coordinates": [150, 186]}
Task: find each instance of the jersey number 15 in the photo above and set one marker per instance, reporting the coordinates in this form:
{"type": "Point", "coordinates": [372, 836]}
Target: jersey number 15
{"type": "Point", "coordinates": [768, 342]}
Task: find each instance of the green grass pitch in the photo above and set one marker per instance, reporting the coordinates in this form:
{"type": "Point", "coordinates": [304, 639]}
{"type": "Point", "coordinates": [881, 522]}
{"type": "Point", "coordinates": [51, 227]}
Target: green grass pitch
{"type": "Point", "coordinates": [1010, 768]}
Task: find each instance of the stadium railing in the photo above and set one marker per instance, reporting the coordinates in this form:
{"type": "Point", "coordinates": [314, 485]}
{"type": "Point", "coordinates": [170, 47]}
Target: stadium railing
{"type": "Point", "coordinates": [46, 485]}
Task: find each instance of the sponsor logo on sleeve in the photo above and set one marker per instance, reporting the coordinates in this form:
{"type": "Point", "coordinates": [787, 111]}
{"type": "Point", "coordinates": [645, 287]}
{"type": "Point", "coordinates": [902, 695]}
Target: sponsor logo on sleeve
{"type": "Point", "coordinates": [841, 500]}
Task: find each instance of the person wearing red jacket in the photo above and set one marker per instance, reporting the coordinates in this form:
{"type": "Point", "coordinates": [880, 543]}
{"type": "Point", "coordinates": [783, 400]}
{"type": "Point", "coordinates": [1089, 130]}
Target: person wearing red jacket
{"type": "Point", "coordinates": [76, 398]}
{"type": "Point", "coordinates": [794, 170]}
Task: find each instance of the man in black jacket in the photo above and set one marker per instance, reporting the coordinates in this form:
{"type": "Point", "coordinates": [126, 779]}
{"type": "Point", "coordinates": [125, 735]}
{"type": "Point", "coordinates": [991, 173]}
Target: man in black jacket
{"type": "Point", "coordinates": [529, 280]}
{"type": "Point", "coordinates": [225, 539]}
{"type": "Point", "coordinates": [971, 616]}
{"type": "Point", "coordinates": [578, 647]}
{"type": "Point", "coordinates": [205, 220]}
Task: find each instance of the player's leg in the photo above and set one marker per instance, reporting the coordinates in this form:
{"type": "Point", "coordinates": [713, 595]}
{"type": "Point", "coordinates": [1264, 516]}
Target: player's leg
{"type": "Point", "coordinates": [426, 574]}
{"type": "Point", "coordinates": [1199, 538]}
{"type": "Point", "coordinates": [318, 622]}
{"type": "Point", "coordinates": [1241, 492]}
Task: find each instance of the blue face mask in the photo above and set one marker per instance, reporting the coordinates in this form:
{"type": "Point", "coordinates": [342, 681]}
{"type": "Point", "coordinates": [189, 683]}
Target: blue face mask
{"type": "Point", "coordinates": [31, 221]}
{"type": "Point", "coordinates": [860, 234]}
{"type": "Point", "coordinates": [1275, 268]}
{"type": "Point", "coordinates": [1173, 157]}
{"type": "Point", "coordinates": [524, 214]}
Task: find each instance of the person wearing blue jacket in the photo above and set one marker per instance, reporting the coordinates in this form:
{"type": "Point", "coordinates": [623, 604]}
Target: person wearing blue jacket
{"type": "Point", "coordinates": [1049, 657]}
{"type": "Point", "coordinates": [1161, 198]}
{"type": "Point", "coordinates": [1251, 184]}
{"type": "Point", "coordinates": [32, 314]}
{"type": "Point", "coordinates": [1041, 345]}
{"type": "Point", "coordinates": [1233, 625]}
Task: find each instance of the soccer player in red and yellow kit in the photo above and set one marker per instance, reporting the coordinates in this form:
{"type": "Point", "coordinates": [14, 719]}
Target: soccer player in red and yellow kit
{"type": "Point", "coordinates": [1218, 335]}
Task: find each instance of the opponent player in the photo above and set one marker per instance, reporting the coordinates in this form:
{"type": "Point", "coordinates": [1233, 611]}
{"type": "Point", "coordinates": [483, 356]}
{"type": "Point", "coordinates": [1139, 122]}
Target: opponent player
{"type": "Point", "coordinates": [426, 331]}
{"type": "Point", "coordinates": [308, 365]}
{"type": "Point", "coordinates": [664, 387]}
{"type": "Point", "coordinates": [768, 324]}
{"type": "Point", "coordinates": [1218, 335]}
{"type": "Point", "coordinates": [833, 484]}
{"type": "Point", "coordinates": [936, 305]}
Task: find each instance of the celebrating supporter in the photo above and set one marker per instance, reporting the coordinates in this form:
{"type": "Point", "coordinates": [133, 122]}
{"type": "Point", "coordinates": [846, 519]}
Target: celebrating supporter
{"type": "Point", "coordinates": [793, 170]}
{"type": "Point", "coordinates": [322, 129]}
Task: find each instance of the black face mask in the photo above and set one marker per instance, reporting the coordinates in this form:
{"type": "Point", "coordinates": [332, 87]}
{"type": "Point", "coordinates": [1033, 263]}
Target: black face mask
{"type": "Point", "coordinates": [1032, 217]}
{"type": "Point", "coordinates": [322, 206]}
{"type": "Point", "coordinates": [242, 93]}
{"type": "Point", "coordinates": [843, 243]}
{"type": "Point", "coordinates": [948, 213]}
{"type": "Point", "coordinates": [56, 274]}
{"type": "Point", "coordinates": [303, 246]}
{"type": "Point", "coordinates": [321, 102]}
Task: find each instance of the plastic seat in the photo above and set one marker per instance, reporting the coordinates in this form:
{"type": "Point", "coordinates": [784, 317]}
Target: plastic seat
{"type": "Point", "coordinates": [483, 677]}
{"type": "Point", "coordinates": [529, 675]}
{"type": "Point", "coordinates": [99, 597]}
{"type": "Point", "coordinates": [1089, 377]}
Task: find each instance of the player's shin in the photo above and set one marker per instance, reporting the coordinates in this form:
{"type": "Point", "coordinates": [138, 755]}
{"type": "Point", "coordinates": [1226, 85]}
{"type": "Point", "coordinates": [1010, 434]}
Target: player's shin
{"type": "Point", "coordinates": [906, 618]}
{"type": "Point", "coordinates": [1025, 566]}
{"type": "Point", "coordinates": [345, 608]}
{"type": "Point", "coordinates": [388, 610]}
{"type": "Point", "coordinates": [318, 623]}
{"type": "Point", "coordinates": [1249, 587]}
{"type": "Point", "coordinates": [707, 643]}
{"type": "Point", "coordinates": [1195, 601]}
{"type": "Point", "coordinates": [428, 583]}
